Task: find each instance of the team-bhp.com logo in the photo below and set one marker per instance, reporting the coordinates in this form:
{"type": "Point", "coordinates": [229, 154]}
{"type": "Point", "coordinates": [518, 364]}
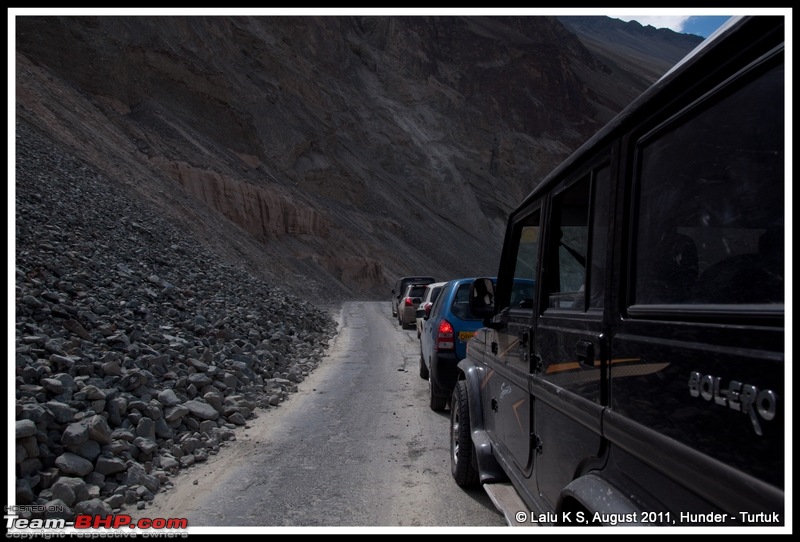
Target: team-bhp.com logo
{"type": "Point", "coordinates": [90, 526]}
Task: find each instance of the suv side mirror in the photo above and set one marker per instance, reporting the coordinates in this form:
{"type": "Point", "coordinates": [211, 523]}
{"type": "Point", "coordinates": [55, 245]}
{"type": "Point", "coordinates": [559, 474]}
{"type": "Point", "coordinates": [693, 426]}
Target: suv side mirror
{"type": "Point", "coordinates": [481, 298]}
{"type": "Point", "coordinates": [481, 304]}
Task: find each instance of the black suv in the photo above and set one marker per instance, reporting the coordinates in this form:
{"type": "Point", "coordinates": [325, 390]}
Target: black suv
{"type": "Point", "coordinates": [646, 384]}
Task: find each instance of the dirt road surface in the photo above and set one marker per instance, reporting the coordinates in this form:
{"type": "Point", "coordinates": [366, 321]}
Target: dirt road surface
{"type": "Point", "coordinates": [356, 446]}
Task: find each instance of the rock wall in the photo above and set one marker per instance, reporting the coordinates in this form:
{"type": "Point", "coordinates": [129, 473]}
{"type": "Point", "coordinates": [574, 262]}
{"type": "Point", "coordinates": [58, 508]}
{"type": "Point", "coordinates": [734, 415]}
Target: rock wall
{"type": "Point", "coordinates": [260, 211]}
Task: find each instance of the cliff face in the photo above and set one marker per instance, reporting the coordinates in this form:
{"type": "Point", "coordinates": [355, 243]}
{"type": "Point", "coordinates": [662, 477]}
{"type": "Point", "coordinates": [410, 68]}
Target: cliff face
{"type": "Point", "coordinates": [331, 154]}
{"type": "Point", "coordinates": [262, 212]}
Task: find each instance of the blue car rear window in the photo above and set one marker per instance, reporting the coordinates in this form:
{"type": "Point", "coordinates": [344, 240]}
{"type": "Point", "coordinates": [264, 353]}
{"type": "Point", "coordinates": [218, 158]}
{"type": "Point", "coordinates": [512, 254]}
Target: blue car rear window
{"type": "Point", "coordinates": [460, 306]}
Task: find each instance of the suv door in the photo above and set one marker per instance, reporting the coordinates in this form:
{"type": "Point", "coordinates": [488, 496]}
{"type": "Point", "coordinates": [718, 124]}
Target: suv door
{"type": "Point", "coordinates": [570, 371]}
{"type": "Point", "coordinates": [508, 406]}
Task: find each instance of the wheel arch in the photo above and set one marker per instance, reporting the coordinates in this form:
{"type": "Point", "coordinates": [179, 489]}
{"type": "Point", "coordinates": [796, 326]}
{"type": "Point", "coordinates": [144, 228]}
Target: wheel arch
{"type": "Point", "coordinates": [593, 494]}
{"type": "Point", "coordinates": [489, 468]}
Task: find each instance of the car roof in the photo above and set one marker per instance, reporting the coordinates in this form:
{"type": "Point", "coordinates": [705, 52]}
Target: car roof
{"type": "Point", "coordinates": [436, 284]}
{"type": "Point", "coordinates": [469, 279]}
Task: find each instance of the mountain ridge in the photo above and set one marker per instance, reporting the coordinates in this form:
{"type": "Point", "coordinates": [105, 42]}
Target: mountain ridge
{"type": "Point", "coordinates": [333, 154]}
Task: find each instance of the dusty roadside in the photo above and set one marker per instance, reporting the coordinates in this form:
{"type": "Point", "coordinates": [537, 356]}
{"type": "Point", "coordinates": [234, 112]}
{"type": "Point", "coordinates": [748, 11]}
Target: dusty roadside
{"type": "Point", "coordinates": [192, 484]}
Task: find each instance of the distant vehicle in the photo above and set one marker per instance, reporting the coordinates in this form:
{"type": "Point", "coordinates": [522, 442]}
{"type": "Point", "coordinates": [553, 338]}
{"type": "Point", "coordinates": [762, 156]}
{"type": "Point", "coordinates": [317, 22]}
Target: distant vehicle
{"type": "Point", "coordinates": [446, 332]}
{"type": "Point", "coordinates": [645, 383]}
{"type": "Point", "coordinates": [432, 291]}
{"type": "Point", "coordinates": [407, 306]}
{"type": "Point", "coordinates": [400, 287]}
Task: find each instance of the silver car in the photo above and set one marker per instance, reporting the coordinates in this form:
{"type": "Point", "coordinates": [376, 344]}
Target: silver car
{"type": "Point", "coordinates": [400, 288]}
{"type": "Point", "coordinates": [408, 303]}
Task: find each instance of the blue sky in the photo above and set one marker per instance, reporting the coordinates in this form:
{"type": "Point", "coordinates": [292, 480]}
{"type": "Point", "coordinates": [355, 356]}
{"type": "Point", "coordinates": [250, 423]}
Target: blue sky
{"type": "Point", "coordinates": [699, 21]}
{"type": "Point", "coordinates": [687, 24]}
{"type": "Point", "coordinates": [703, 26]}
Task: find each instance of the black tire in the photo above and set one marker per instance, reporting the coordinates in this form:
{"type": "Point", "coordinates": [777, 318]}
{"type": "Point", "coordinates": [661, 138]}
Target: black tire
{"type": "Point", "coordinates": [438, 400]}
{"type": "Point", "coordinates": [463, 464]}
{"type": "Point", "coordinates": [423, 369]}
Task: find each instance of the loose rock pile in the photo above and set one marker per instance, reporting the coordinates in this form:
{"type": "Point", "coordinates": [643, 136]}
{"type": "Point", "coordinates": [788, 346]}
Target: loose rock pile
{"type": "Point", "coordinates": [138, 352]}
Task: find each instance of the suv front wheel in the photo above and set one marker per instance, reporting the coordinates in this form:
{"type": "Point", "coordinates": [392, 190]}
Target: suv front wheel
{"type": "Point", "coordinates": [463, 464]}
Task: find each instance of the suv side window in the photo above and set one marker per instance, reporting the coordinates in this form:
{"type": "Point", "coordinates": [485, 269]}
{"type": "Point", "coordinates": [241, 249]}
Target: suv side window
{"type": "Point", "coordinates": [570, 240]}
{"type": "Point", "coordinates": [575, 221]}
{"type": "Point", "coordinates": [600, 217]}
{"type": "Point", "coordinates": [527, 260]}
{"type": "Point", "coordinates": [710, 208]}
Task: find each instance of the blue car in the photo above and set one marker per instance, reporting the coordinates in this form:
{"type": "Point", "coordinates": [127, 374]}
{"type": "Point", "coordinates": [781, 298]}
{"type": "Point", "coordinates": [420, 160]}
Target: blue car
{"type": "Point", "coordinates": [443, 341]}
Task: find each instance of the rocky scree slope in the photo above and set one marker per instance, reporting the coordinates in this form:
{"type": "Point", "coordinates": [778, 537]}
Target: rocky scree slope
{"type": "Point", "coordinates": [138, 352]}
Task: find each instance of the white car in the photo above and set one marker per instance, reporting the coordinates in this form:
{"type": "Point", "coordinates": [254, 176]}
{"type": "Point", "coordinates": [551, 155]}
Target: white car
{"type": "Point", "coordinates": [426, 302]}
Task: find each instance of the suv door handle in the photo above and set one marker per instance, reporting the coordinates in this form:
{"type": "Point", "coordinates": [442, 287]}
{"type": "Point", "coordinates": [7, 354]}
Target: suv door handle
{"type": "Point", "coordinates": [524, 344]}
